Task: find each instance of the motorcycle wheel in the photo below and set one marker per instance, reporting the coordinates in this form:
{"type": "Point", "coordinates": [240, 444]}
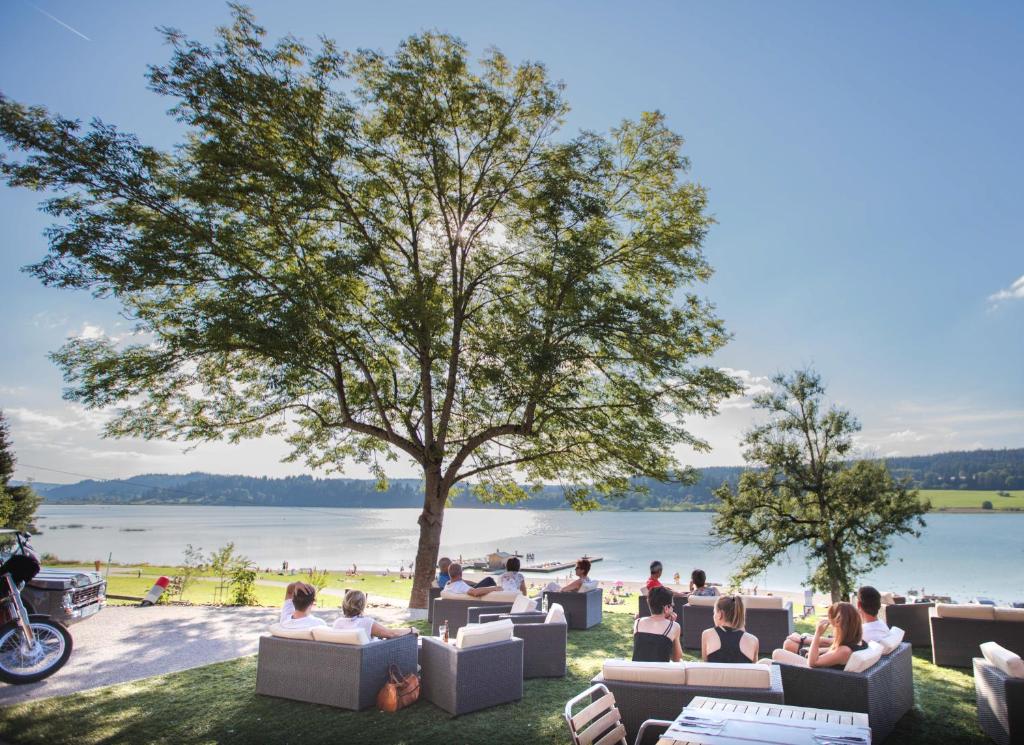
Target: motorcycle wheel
{"type": "Point", "coordinates": [51, 650]}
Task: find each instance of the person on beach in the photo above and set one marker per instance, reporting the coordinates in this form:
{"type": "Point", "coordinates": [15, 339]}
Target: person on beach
{"type": "Point", "coordinates": [656, 638]}
{"type": "Point", "coordinates": [442, 571]}
{"type": "Point", "coordinates": [458, 586]}
{"type": "Point", "coordinates": [699, 585]}
{"type": "Point", "coordinates": [352, 617]}
{"type": "Point", "coordinates": [655, 579]}
{"type": "Point", "coordinates": [288, 607]}
{"type": "Point", "coordinates": [582, 583]}
{"type": "Point", "coordinates": [303, 600]}
{"type": "Point", "coordinates": [512, 580]}
{"type": "Point", "coordinates": [727, 640]}
{"type": "Point", "coordinates": [847, 631]}
{"type": "Point", "coordinates": [873, 629]}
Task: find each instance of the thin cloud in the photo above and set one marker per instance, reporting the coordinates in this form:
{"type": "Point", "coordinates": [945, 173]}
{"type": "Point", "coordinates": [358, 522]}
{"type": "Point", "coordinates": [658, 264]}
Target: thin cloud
{"type": "Point", "coordinates": [1013, 292]}
{"type": "Point", "coordinates": [55, 19]}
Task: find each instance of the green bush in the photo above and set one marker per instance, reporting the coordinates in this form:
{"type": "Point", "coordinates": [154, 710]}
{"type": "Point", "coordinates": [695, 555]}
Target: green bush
{"type": "Point", "coordinates": [243, 585]}
{"type": "Point", "coordinates": [986, 505]}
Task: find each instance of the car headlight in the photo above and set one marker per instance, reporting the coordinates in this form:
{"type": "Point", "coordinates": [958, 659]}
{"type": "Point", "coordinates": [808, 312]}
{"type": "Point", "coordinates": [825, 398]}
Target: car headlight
{"type": "Point", "coordinates": [68, 602]}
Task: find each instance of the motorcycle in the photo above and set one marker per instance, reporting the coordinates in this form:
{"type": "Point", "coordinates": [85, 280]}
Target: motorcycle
{"type": "Point", "coordinates": [32, 647]}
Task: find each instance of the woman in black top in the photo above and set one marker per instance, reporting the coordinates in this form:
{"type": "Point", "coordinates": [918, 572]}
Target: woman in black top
{"type": "Point", "coordinates": [656, 637]}
{"type": "Point", "coordinates": [846, 637]}
{"type": "Point", "coordinates": [726, 641]}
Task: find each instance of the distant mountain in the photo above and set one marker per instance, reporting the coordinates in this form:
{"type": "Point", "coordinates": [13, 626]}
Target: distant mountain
{"type": "Point", "coordinates": [41, 487]}
{"type": "Point", "coordinates": [978, 469]}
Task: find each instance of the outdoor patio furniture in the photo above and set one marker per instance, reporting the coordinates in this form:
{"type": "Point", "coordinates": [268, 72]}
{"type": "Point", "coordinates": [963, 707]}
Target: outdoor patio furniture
{"type": "Point", "coordinates": [599, 720]}
{"type": "Point", "coordinates": [644, 610]}
{"type": "Point", "coordinates": [544, 643]}
{"type": "Point", "coordinates": [432, 594]}
{"type": "Point", "coordinates": [343, 675]}
{"type": "Point", "coordinates": [767, 617]}
{"type": "Point", "coordinates": [1000, 698]}
{"type": "Point", "coordinates": [455, 609]}
{"type": "Point", "coordinates": [583, 610]}
{"type": "Point", "coordinates": [913, 619]}
{"type": "Point", "coordinates": [658, 690]}
{"type": "Point", "coordinates": [885, 691]}
{"type": "Point", "coordinates": [461, 679]}
{"type": "Point", "coordinates": [958, 630]}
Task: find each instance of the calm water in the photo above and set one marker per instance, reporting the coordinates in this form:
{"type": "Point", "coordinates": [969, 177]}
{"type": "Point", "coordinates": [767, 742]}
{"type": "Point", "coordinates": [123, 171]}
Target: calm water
{"type": "Point", "coordinates": [958, 555]}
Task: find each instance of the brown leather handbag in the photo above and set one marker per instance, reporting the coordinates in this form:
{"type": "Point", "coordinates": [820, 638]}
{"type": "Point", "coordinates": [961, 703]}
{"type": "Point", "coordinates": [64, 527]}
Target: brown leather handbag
{"type": "Point", "coordinates": [400, 690]}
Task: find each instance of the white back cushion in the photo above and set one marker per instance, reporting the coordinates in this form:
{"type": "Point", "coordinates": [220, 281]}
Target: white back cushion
{"type": "Point", "coordinates": [979, 612]}
{"type": "Point", "coordinates": [728, 675]}
{"type": "Point", "coordinates": [1007, 661]}
{"type": "Point", "coordinates": [862, 660]}
{"type": "Point", "coordinates": [523, 604]}
{"type": "Point", "coordinates": [556, 614]}
{"type": "Point", "coordinates": [279, 630]}
{"type": "Point", "coordinates": [1009, 614]}
{"type": "Point", "coordinates": [645, 672]}
{"type": "Point", "coordinates": [701, 600]}
{"type": "Point", "coordinates": [759, 602]}
{"type": "Point", "coordinates": [476, 634]}
{"type": "Point", "coordinates": [501, 596]}
{"type": "Point", "coordinates": [891, 641]}
{"type": "Point", "coordinates": [355, 637]}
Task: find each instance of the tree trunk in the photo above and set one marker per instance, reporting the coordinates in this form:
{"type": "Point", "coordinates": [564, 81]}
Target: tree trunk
{"type": "Point", "coordinates": [430, 520]}
{"type": "Point", "coordinates": [833, 573]}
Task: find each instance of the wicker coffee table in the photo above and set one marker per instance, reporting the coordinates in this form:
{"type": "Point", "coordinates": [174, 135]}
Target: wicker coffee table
{"type": "Point", "coordinates": [744, 722]}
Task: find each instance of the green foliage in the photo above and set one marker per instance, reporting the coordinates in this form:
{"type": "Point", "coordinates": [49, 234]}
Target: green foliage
{"type": "Point", "coordinates": [318, 578]}
{"type": "Point", "coordinates": [225, 564]}
{"type": "Point", "coordinates": [804, 491]}
{"type": "Point", "coordinates": [192, 566]}
{"type": "Point", "coordinates": [17, 503]}
{"type": "Point", "coordinates": [398, 253]}
{"type": "Point", "coordinates": [243, 585]}
{"type": "Point", "coordinates": [986, 505]}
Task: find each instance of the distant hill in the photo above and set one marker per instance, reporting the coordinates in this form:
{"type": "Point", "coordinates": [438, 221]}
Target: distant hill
{"type": "Point", "coordinates": [974, 470]}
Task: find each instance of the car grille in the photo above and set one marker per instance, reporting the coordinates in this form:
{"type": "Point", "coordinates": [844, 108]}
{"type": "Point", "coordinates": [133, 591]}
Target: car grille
{"type": "Point", "coordinates": [87, 595]}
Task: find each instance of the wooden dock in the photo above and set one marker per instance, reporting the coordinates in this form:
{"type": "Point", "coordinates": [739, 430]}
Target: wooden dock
{"type": "Point", "coordinates": [556, 567]}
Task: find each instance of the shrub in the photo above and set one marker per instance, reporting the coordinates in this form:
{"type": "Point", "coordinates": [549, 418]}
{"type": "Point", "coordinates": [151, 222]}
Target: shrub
{"type": "Point", "coordinates": [243, 585]}
{"type": "Point", "coordinates": [986, 505]}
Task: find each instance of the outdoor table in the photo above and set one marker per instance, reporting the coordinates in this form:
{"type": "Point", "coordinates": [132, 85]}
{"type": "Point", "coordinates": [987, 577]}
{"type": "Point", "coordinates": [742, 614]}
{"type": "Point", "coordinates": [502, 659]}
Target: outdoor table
{"type": "Point", "coordinates": [744, 722]}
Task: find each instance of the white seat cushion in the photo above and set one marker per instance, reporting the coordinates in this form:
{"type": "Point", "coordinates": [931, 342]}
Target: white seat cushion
{"type": "Point", "coordinates": [760, 602]}
{"type": "Point", "coordinates": [280, 631]}
{"type": "Point", "coordinates": [978, 612]}
{"type": "Point", "coordinates": [1007, 661]}
{"type": "Point", "coordinates": [726, 675]}
{"type": "Point", "coordinates": [1009, 614]}
{"type": "Point", "coordinates": [644, 672]}
{"type": "Point", "coordinates": [556, 614]}
{"type": "Point", "coordinates": [701, 600]}
{"type": "Point", "coordinates": [891, 641]}
{"type": "Point", "coordinates": [523, 604]}
{"type": "Point", "coordinates": [354, 637]}
{"type": "Point", "coordinates": [864, 659]}
{"type": "Point", "coordinates": [456, 595]}
{"type": "Point", "coordinates": [476, 634]}
{"type": "Point", "coordinates": [785, 657]}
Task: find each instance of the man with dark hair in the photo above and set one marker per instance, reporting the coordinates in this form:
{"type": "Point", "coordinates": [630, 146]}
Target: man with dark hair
{"type": "Point", "coordinates": [442, 571]}
{"type": "Point", "coordinates": [699, 584]}
{"type": "Point", "coordinates": [303, 600]}
{"type": "Point", "coordinates": [873, 629]}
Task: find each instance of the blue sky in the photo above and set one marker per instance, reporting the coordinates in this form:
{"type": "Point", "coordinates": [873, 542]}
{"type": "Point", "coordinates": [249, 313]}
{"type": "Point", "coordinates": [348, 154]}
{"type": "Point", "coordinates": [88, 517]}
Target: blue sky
{"type": "Point", "coordinates": [863, 163]}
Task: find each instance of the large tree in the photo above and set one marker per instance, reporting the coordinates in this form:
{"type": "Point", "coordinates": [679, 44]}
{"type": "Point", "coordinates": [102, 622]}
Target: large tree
{"type": "Point", "coordinates": [386, 257]}
{"type": "Point", "coordinates": [17, 503]}
{"type": "Point", "coordinates": [805, 491]}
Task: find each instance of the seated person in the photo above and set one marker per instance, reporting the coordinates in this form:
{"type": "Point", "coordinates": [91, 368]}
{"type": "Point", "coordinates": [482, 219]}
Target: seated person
{"type": "Point", "coordinates": [458, 586]}
{"type": "Point", "coordinates": [352, 618]}
{"type": "Point", "coordinates": [727, 641]}
{"type": "Point", "coordinates": [442, 571]}
{"type": "Point", "coordinates": [655, 579]}
{"type": "Point", "coordinates": [699, 586]}
{"type": "Point", "coordinates": [289, 607]}
{"type": "Point", "coordinates": [869, 604]}
{"type": "Point", "coordinates": [582, 583]}
{"type": "Point", "coordinates": [656, 637]}
{"type": "Point", "coordinates": [846, 637]}
{"type": "Point", "coordinates": [303, 600]}
{"type": "Point", "coordinates": [512, 580]}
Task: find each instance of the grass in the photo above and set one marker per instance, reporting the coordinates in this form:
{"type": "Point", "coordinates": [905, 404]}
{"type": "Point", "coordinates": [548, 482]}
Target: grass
{"type": "Point", "coordinates": [218, 704]}
{"type": "Point", "coordinates": [957, 499]}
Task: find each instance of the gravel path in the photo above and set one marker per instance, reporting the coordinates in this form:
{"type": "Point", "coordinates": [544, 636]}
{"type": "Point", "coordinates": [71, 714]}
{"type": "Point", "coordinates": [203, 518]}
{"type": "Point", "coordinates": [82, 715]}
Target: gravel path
{"type": "Point", "coordinates": [124, 643]}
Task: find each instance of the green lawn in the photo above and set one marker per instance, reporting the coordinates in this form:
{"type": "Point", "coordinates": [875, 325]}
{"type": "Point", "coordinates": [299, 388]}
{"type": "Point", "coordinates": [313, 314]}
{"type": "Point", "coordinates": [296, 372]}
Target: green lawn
{"type": "Point", "coordinates": [217, 704]}
{"type": "Point", "coordinates": [945, 499]}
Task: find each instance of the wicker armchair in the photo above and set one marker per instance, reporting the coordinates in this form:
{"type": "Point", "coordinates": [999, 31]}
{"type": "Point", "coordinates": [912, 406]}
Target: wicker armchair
{"type": "Point", "coordinates": [638, 702]}
{"type": "Point", "coordinates": [913, 619]}
{"type": "Point", "coordinates": [456, 611]}
{"type": "Point", "coordinates": [1000, 703]}
{"type": "Point", "coordinates": [955, 641]}
{"type": "Point", "coordinates": [463, 680]}
{"type": "Point", "coordinates": [583, 610]}
{"type": "Point", "coordinates": [432, 594]}
{"type": "Point", "coordinates": [342, 675]}
{"type": "Point", "coordinates": [885, 691]}
{"type": "Point", "coordinates": [771, 626]}
{"type": "Point", "coordinates": [644, 610]}
{"type": "Point", "coordinates": [543, 643]}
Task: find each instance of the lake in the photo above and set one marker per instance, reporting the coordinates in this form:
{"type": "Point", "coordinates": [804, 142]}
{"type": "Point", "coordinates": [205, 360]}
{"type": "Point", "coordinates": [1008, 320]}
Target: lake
{"type": "Point", "coordinates": [961, 555]}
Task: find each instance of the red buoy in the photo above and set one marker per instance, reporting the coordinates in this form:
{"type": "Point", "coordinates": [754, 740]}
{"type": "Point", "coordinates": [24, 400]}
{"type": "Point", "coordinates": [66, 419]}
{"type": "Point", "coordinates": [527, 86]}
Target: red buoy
{"type": "Point", "coordinates": [155, 591]}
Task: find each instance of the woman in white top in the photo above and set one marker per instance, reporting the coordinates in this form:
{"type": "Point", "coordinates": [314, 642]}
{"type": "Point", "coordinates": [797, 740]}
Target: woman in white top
{"type": "Point", "coordinates": [352, 618]}
{"type": "Point", "coordinates": [512, 580]}
{"type": "Point", "coordinates": [303, 599]}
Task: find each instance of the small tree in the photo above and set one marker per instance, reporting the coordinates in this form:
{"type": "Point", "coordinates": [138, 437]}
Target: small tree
{"type": "Point", "coordinates": [243, 583]}
{"type": "Point", "coordinates": [803, 491]}
{"type": "Point", "coordinates": [318, 578]}
{"type": "Point", "coordinates": [986, 505]}
{"type": "Point", "coordinates": [189, 568]}
{"type": "Point", "coordinates": [17, 503]}
{"type": "Point", "coordinates": [224, 562]}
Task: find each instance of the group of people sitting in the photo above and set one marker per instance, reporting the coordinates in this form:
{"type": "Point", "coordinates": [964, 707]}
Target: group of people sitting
{"type": "Point", "coordinates": [451, 581]}
{"type": "Point", "coordinates": [656, 638]}
{"type": "Point", "coordinates": [300, 599]}
{"type": "Point", "coordinates": [698, 582]}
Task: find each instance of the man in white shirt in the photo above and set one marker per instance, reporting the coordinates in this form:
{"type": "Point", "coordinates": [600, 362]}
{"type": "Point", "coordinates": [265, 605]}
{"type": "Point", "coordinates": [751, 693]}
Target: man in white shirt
{"type": "Point", "coordinates": [458, 586]}
{"type": "Point", "coordinates": [873, 629]}
{"type": "Point", "coordinates": [303, 600]}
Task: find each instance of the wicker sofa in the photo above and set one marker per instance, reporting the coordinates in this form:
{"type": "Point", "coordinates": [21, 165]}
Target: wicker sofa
{"type": "Point", "coordinates": [432, 594]}
{"type": "Point", "coordinates": [469, 679]}
{"type": "Point", "coordinates": [583, 610]}
{"type": "Point", "coordinates": [768, 618]}
{"type": "Point", "coordinates": [958, 630]}
{"type": "Point", "coordinates": [675, 684]}
{"type": "Point", "coordinates": [342, 675]}
{"type": "Point", "coordinates": [885, 691]}
{"type": "Point", "coordinates": [455, 609]}
{"type": "Point", "coordinates": [913, 619]}
{"type": "Point", "coordinates": [544, 643]}
{"type": "Point", "coordinates": [1000, 697]}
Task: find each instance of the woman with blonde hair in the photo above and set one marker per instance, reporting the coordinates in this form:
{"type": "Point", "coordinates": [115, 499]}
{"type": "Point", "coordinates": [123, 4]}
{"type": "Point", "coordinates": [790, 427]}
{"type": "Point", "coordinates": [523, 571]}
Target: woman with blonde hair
{"type": "Point", "coordinates": [846, 637]}
{"type": "Point", "coordinates": [352, 617]}
{"type": "Point", "coordinates": [727, 641]}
